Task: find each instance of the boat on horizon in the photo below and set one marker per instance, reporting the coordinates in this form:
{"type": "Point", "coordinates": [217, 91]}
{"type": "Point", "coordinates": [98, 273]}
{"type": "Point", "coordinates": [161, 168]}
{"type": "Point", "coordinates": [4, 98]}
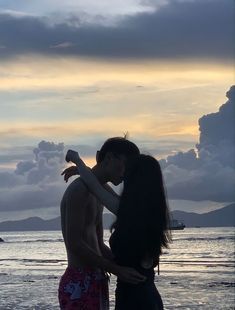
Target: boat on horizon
{"type": "Point", "coordinates": [176, 225]}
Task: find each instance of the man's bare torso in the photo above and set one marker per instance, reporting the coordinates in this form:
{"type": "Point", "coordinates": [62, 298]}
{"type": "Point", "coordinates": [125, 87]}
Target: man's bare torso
{"type": "Point", "coordinates": [91, 212]}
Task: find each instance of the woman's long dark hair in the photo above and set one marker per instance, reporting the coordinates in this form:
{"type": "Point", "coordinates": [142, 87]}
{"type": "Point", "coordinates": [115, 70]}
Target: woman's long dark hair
{"type": "Point", "coordinates": [143, 217]}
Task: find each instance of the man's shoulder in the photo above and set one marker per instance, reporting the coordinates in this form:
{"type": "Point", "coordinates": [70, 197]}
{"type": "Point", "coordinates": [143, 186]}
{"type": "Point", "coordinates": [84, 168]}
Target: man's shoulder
{"type": "Point", "coordinates": [77, 188]}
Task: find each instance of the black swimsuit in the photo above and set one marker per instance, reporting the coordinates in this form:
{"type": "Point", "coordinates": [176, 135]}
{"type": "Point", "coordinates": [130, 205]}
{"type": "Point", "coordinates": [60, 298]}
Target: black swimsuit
{"type": "Point", "coordinates": [142, 296]}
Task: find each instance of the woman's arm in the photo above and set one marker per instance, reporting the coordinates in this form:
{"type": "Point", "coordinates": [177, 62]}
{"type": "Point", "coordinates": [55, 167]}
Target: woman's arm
{"type": "Point", "coordinates": [109, 189]}
{"type": "Point", "coordinates": [109, 200]}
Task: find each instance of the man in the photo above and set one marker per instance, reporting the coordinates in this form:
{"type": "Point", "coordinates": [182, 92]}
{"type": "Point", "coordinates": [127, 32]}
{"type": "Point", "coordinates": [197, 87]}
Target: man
{"type": "Point", "coordinates": [84, 284]}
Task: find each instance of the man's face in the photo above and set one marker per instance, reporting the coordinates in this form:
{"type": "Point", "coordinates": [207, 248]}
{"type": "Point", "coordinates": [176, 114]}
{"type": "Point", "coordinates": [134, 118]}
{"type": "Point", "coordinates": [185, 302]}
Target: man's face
{"type": "Point", "coordinates": [116, 168]}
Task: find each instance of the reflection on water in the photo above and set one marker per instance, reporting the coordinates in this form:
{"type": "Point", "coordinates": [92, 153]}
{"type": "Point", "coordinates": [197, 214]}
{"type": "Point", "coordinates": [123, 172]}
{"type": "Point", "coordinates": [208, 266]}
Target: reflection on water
{"type": "Point", "coordinates": [197, 272]}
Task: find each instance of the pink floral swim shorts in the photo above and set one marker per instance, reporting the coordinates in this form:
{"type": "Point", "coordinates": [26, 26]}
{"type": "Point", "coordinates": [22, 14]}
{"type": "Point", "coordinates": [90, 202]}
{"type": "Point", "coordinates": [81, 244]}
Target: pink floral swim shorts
{"type": "Point", "coordinates": [83, 289]}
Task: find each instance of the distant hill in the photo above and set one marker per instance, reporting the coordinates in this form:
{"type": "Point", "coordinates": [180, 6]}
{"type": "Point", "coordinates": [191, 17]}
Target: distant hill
{"type": "Point", "coordinates": [31, 223]}
{"type": "Point", "coordinates": [36, 223]}
{"type": "Point", "coordinates": [218, 218]}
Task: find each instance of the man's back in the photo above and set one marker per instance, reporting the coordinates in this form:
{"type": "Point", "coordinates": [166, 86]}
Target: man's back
{"type": "Point", "coordinates": [81, 215]}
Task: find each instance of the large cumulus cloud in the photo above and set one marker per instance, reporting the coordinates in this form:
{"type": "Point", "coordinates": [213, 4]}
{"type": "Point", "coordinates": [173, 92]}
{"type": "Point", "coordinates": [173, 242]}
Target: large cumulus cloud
{"type": "Point", "coordinates": [179, 29]}
{"type": "Point", "coordinates": [208, 172]}
{"type": "Point", "coordinates": [34, 183]}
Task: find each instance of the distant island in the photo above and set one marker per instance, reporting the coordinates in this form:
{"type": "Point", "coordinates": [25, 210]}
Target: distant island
{"type": "Point", "coordinates": [37, 224]}
{"type": "Point", "coordinates": [219, 218]}
{"type": "Point", "coordinates": [224, 217]}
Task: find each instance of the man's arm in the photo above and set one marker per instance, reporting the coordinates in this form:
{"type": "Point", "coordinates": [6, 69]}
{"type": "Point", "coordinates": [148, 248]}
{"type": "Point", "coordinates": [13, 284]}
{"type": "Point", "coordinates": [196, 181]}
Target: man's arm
{"type": "Point", "coordinates": [69, 172]}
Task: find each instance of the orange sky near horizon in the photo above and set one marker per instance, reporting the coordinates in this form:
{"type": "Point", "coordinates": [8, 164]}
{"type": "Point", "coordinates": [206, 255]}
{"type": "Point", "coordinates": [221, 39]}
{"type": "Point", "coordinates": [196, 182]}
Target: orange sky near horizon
{"type": "Point", "coordinates": [71, 99]}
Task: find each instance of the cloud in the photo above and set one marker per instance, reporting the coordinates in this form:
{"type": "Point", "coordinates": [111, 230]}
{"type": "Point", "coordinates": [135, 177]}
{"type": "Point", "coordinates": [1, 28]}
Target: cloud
{"type": "Point", "coordinates": [207, 173]}
{"type": "Point", "coordinates": [180, 29]}
{"type": "Point", "coordinates": [91, 9]}
{"type": "Point", "coordinates": [204, 173]}
{"type": "Point", "coordinates": [31, 197]}
{"type": "Point", "coordinates": [63, 45]}
{"type": "Point", "coordinates": [9, 180]}
{"type": "Point", "coordinates": [217, 133]}
{"type": "Point", "coordinates": [24, 167]}
{"type": "Point", "coordinates": [34, 183]}
{"type": "Point", "coordinates": [37, 183]}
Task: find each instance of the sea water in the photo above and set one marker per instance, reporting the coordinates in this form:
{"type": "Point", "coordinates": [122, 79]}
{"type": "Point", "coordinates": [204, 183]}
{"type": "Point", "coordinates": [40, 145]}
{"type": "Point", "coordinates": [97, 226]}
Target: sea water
{"type": "Point", "coordinates": [196, 272]}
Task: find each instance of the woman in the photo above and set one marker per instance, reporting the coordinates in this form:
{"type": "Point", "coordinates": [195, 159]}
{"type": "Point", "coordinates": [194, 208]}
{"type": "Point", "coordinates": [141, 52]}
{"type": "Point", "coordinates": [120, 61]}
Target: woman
{"type": "Point", "coordinates": [141, 229]}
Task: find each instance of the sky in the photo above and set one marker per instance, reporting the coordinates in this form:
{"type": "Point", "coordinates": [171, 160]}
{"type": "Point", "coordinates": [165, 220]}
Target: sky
{"type": "Point", "coordinates": [73, 73]}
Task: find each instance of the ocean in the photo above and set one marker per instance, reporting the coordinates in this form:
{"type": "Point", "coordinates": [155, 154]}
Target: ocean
{"type": "Point", "coordinates": [197, 272]}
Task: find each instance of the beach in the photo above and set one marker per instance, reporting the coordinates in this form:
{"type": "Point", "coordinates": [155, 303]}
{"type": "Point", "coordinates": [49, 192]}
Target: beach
{"type": "Point", "coordinates": [197, 272]}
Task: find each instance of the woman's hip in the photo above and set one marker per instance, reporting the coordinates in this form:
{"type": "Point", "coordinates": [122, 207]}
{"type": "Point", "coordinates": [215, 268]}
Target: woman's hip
{"type": "Point", "coordinates": [138, 296]}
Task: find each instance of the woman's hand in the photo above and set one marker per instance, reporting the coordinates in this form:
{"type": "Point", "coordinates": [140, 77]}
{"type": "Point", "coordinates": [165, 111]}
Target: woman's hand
{"type": "Point", "coordinates": [72, 156]}
{"type": "Point", "coordinates": [69, 172]}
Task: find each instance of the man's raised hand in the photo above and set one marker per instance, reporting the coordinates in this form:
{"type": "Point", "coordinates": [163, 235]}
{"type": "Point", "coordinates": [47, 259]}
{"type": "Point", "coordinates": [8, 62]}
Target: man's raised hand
{"type": "Point", "coordinates": [129, 275]}
{"type": "Point", "coordinates": [69, 172]}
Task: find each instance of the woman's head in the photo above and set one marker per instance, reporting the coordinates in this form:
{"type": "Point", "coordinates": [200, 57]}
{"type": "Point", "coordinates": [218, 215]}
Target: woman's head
{"type": "Point", "coordinates": [143, 207]}
{"type": "Point", "coordinates": [144, 172]}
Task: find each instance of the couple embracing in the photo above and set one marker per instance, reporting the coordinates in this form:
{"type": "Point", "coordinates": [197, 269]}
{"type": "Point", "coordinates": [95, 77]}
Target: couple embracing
{"type": "Point", "coordinates": [139, 234]}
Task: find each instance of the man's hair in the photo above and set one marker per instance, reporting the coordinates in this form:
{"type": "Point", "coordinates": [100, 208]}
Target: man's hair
{"type": "Point", "coordinates": [118, 146]}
